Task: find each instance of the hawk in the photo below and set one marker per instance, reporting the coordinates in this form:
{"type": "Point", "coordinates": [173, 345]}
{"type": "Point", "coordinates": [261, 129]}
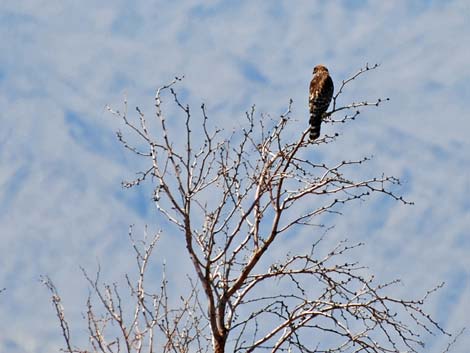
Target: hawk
{"type": "Point", "coordinates": [321, 92]}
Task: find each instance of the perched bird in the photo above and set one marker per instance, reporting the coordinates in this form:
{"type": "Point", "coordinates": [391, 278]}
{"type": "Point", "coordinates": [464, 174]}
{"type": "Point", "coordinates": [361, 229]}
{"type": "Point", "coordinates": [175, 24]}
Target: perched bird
{"type": "Point", "coordinates": [321, 92]}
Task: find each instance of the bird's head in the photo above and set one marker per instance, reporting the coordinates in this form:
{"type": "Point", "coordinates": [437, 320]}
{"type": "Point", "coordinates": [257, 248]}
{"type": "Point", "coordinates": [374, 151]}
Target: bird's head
{"type": "Point", "coordinates": [319, 68]}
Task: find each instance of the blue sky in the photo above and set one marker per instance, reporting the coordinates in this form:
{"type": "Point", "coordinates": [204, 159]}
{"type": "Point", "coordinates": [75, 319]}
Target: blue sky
{"type": "Point", "coordinates": [61, 201]}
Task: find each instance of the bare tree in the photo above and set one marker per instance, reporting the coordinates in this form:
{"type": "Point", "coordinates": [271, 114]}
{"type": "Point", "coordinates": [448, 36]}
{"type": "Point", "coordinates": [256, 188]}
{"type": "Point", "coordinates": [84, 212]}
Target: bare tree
{"type": "Point", "coordinates": [234, 197]}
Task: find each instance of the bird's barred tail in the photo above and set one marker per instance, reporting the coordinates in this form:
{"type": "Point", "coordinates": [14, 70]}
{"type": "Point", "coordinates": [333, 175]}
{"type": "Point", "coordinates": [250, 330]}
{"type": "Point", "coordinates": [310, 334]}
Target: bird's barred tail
{"type": "Point", "coordinates": [315, 125]}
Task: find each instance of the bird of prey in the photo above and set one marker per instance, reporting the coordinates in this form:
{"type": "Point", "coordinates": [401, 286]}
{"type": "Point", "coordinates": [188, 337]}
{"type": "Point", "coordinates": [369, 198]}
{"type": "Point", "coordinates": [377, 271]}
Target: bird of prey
{"type": "Point", "coordinates": [321, 92]}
